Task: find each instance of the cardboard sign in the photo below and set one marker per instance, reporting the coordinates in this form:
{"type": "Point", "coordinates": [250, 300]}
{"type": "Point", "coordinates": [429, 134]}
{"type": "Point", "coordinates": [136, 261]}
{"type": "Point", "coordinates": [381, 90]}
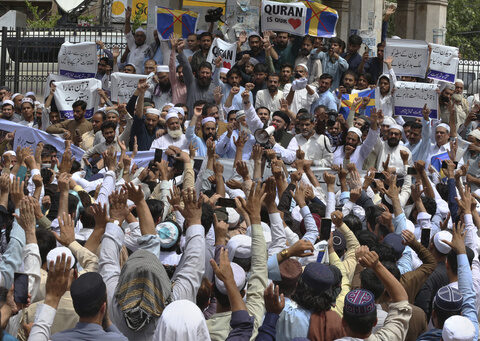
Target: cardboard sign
{"type": "Point", "coordinates": [284, 17]}
{"type": "Point", "coordinates": [123, 85]}
{"type": "Point", "coordinates": [78, 61]}
{"type": "Point", "coordinates": [410, 97]}
{"type": "Point", "coordinates": [443, 63]}
{"type": "Point", "coordinates": [68, 92]}
{"type": "Point", "coordinates": [410, 57]}
{"type": "Point", "coordinates": [228, 52]}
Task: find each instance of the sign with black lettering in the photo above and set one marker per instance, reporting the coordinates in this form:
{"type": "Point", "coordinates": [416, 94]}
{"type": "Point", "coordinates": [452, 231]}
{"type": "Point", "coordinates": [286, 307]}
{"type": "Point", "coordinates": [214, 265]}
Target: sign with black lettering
{"type": "Point", "coordinates": [443, 63]}
{"type": "Point", "coordinates": [68, 92]}
{"type": "Point", "coordinates": [284, 17]}
{"type": "Point", "coordinates": [228, 52]}
{"type": "Point", "coordinates": [410, 97]}
{"type": "Point", "coordinates": [410, 57]}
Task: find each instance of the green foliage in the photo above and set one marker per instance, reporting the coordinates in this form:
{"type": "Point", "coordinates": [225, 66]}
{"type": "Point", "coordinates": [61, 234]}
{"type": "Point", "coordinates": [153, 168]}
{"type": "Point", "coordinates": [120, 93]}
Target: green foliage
{"type": "Point", "coordinates": [40, 19]}
{"type": "Point", "coordinates": [88, 20]}
{"type": "Point", "coordinates": [464, 16]}
{"type": "Point", "coordinates": [137, 18]}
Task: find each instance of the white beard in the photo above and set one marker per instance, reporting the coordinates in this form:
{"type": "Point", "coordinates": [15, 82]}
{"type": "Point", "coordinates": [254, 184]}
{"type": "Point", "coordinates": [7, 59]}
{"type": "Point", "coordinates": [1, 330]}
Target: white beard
{"type": "Point", "coordinates": [175, 134]}
{"type": "Point", "coordinates": [245, 129]}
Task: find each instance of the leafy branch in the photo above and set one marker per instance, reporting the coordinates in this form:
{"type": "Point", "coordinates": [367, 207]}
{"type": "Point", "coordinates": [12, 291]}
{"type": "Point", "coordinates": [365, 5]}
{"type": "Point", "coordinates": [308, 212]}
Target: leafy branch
{"type": "Point", "coordinates": [39, 17]}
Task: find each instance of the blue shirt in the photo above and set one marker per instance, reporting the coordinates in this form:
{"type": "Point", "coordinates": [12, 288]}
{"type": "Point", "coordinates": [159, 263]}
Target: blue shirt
{"type": "Point", "coordinates": [354, 61]}
{"type": "Point", "coordinates": [197, 141]}
{"type": "Point", "coordinates": [335, 68]}
{"type": "Point", "coordinates": [90, 331]}
{"type": "Point", "coordinates": [294, 321]}
{"type": "Point", "coordinates": [325, 98]}
{"type": "Point", "coordinates": [465, 286]}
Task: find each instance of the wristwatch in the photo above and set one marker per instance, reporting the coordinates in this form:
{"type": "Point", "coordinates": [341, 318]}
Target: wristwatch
{"type": "Point", "coordinates": [284, 254]}
{"type": "Point", "coordinates": [116, 222]}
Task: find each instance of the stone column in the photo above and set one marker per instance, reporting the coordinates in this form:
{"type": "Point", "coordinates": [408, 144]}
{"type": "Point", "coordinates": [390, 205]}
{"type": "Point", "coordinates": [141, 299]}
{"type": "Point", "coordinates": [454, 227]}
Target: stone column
{"type": "Point", "coordinates": [405, 19]}
{"type": "Point", "coordinates": [431, 15]}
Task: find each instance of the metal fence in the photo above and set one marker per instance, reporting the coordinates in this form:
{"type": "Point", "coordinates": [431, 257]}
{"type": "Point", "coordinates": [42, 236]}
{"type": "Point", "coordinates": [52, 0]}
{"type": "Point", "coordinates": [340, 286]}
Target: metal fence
{"type": "Point", "coordinates": [28, 56]}
{"type": "Point", "coordinates": [469, 72]}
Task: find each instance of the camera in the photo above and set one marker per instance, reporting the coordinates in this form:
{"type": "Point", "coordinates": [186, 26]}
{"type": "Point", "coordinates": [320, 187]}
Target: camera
{"type": "Point", "coordinates": [214, 14]}
{"type": "Point", "coordinates": [332, 118]}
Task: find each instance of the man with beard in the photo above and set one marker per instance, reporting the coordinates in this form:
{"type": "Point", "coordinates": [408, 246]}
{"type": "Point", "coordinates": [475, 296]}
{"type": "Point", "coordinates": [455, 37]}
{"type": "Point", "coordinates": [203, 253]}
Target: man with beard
{"type": "Point", "coordinates": [234, 78]}
{"type": "Point", "coordinates": [201, 86]}
{"type": "Point", "coordinates": [281, 141]}
{"type": "Point", "coordinates": [209, 130]}
{"type": "Point", "coordinates": [174, 137]}
{"type": "Point", "coordinates": [325, 96]}
{"type": "Point", "coordinates": [285, 75]}
{"type": "Point", "coordinates": [419, 137]}
{"type": "Point", "coordinates": [351, 56]}
{"type": "Point", "coordinates": [226, 147]}
{"type": "Point", "coordinates": [263, 114]}
{"type": "Point", "coordinates": [210, 110]}
{"type": "Point", "coordinates": [87, 138]}
{"type": "Point", "coordinates": [108, 132]}
{"type": "Point", "coordinates": [373, 66]}
{"type": "Point", "coordinates": [285, 49]}
{"type": "Point", "coordinates": [349, 82]}
{"type": "Point", "coordinates": [391, 148]}
{"type": "Point", "coordinates": [200, 56]}
{"type": "Point", "coordinates": [444, 101]}
{"type": "Point", "coordinates": [354, 151]}
{"type": "Point", "coordinates": [315, 66]}
{"type": "Point", "coordinates": [256, 49]}
{"type": "Point", "coordinates": [179, 89]}
{"type": "Point", "coordinates": [136, 43]}
{"type": "Point", "coordinates": [161, 89]}
{"type": "Point", "coordinates": [332, 63]}
{"type": "Point", "coordinates": [299, 94]}
{"type": "Point", "coordinates": [17, 100]}
{"type": "Point", "coordinates": [271, 96]}
{"type": "Point", "coordinates": [316, 147]}
{"type": "Point", "coordinates": [79, 124]}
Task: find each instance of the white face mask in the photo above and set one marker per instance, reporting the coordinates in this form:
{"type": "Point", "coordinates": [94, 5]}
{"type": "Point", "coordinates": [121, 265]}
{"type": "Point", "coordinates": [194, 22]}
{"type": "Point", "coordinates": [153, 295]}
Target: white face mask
{"type": "Point", "coordinates": [175, 134]}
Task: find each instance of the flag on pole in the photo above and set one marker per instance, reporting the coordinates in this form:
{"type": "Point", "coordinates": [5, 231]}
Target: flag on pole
{"type": "Point", "coordinates": [347, 101]}
{"type": "Point", "coordinates": [169, 21]}
{"type": "Point", "coordinates": [321, 20]}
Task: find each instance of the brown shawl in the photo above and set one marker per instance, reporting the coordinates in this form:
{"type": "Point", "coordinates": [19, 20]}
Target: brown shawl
{"type": "Point", "coordinates": [325, 326]}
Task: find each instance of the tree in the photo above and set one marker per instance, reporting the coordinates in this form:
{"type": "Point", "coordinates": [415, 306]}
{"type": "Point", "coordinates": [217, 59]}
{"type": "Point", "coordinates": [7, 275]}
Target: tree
{"type": "Point", "coordinates": [463, 16]}
{"type": "Point", "coordinates": [40, 19]}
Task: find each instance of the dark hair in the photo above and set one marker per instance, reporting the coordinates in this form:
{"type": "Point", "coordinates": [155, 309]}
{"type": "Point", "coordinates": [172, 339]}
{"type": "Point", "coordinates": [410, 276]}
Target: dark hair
{"type": "Point", "coordinates": [260, 68]}
{"type": "Point", "coordinates": [199, 102]}
{"type": "Point", "coordinates": [367, 76]}
{"type": "Point", "coordinates": [92, 308]}
{"type": "Point", "coordinates": [353, 222]}
{"type": "Point", "coordinates": [86, 217]}
{"type": "Point", "coordinates": [245, 263]}
{"type": "Point", "coordinates": [79, 103]}
{"type": "Point", "coordinates": [336, 40]}
{"type": "Point", "coordinates": [156, 209]}
{"type": "Point", "coordinates": [207, 107]}
{"type": "Point", "coordinates": [355, 40]}
{"type": "Point", "coordinates": [372, 213]}
{"type": "Point", "coordinates": [393, 268]}
{"type": "Point", "coordinates": [204, 34]}
{"type": "Point", "coordinates": [366, 237]}
{"type": "Point", "coordinates": [385, 252]}
{"type": "Point", "coordinates": [321, 106]}
{"type": "Point", "coordinates": [235, 71]}
{"type": "Point", "coordinates": [274, 74]}
{"type": "Point", "coordinates": [230, 113]}
{"type": "Point", "coordinates": [304, 117]}
{"type": "Point", "coordinates": [207, 217]}
{"type": "Point", "coordinates": [178, 67]}
{"type": "Point", "coordinates": [46, 242]}
{"type": "Point", "coordinates": [430, 205]}
{"type": "Point", "coordinates": [370, 281]}
{"type": "Point", "coordinates": [72, 204]}
{"type": "Point", "coordinates": [452, 259]}
{"type": "Point", "coordinates": [107, 125]}
{"type": "Point", "coordinates": [326, 76]}
{"type": "Point", "coordinates": [416, 125]}
{"type": "Point", "coordinates": [442, 190]}
{"type": "Point", "coordinates": [443, 315]}
{"type": "Point", "coordinates": [307, 37]}
{"type": "Point", "coordinates": [256, 110]}
{"type": "Point", "coordinates": [104, 115]}
{"type": "Point", "coordinates": [205, 65]}
{"type": "Point", "coordinates": [351, 72]}
{"type": "Point", "coordinates": [360, 324]}
{"type": "Point", "coordinates": [46, 174]}
{"type": "Point", "coordinates": [76, 166]}
{"type": "Point", "coordinates": [286, 65]}
{"type": "Point", "coordinates": [317, 302]}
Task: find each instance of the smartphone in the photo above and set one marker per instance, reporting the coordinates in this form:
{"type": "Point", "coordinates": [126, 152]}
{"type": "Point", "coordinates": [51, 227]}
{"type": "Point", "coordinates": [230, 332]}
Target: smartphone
{"type": "Point", "coordinates": [325, 229]}
{"type": "Point", "coordinates": [20, 285]}
{"type": "Point", "coordinates": [425, 238]}
{"type": "Point", "coordinates": [197, 164]}
{"type": "Point", "coordinates": [226, 202]}
{"type": "Point", "coordinates": [379, 176]}
{"type": "Point", "coordinates": [411, 171]}
{"type": "Point", "coordinates": [445, 165]}
{"type": "Point", "coordinates": [158, 155]}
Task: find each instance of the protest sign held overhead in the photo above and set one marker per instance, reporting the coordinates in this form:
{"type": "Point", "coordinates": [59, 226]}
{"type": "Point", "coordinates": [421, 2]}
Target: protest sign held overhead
{"type": "Point", "coordinates": [410, 57]}
{"type": "Point", "coordinates": [78, 61]}
{"type": "Point", "coordinates": [410, 97]}
{"type": "Point", "coordinates": [68, 92]}
{"type": "Point", "coordinates": [228, 52]}
{"type": "Point", "coordinates": [170, 21]}
{"type": "Point", "coordinates": [443, 63]}
{"type": "Point", "coordinates": [320, 20]}
{"type": "Point", "coordinates": [53, 77]}
{"type": "Point", "coordinates": [284, 17]}
{"type": "Point", "coordinates": [123, 85]}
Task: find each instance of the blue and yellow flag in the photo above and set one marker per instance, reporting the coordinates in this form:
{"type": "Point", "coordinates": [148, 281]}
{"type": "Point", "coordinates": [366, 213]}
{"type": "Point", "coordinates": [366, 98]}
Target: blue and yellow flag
{"type": "Point", "coordinates": [321, 20]}
{"type": "Point", "coordinates": [169, 21]}
{"type": "Point", "coordinates": [437, 160]}
{"type": "Point", "coordinates": [347, 101]}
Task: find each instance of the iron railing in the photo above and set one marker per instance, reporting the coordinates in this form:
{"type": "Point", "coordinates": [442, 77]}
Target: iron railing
{"type": "Point", "coordinates": [28, 56]}
{"type": "Point", "coordinates": [469, 72]}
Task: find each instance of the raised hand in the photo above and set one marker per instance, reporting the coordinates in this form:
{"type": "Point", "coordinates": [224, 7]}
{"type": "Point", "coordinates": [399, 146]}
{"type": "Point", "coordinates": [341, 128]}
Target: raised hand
{"type": "Point", "coordinates": [253, 205]}
{"type": "Point", "coordinates": [192, 210]}
{"type": "Point", "coordinates": [59, 274]}
{"type": "Point", "coordinates": [118, 206]}
{"type": "Point", "coordinates": [16, 191]}
{"type": "Point", "coordinates": [274, 301]}
{"type": "Point", "coordinates": [134, 193]}
{"type": "Point", "coordinates": [67, 231]}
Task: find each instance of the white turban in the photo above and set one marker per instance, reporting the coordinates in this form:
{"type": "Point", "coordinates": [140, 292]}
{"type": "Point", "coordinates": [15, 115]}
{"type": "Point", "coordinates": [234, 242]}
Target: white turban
{"type": "Point", "coordinates": [7, 101]}
{"type": "Point", "coordinates": [208, 119]}
{"type": "Point", "coordinates": [141, 30]}
{"type": "Point", "coordinates": [163, 68]}
{"type": "Point", "coordinates": [224, 70]}
{"type": "Point", "coordinates": [397, 126]}
{"type": "Point", "coordinates": [171, 115]}
{"type": "Point", "coordinates": [52, 255]}
{"type": "Point", "coordinates": [444, 125]}
{"type": "Point", "coordinates": [475, 133]}
{"type": "Point", "coordinates": [304, 66]}
{"type": "Point", "coordinates": [153, 111]}
{"type": "Point", "coordinates": [30, 93]}
{"type": "Point", "coordinates": [356, 131]}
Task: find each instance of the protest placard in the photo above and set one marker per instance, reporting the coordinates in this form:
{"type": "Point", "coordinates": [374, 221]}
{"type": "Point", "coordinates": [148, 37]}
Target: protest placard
{"type": "Point", "coordinates": [410, 57]}
{"type": "Point", "coordinates": [123, 86]}
{"type": "Point", "coordinates": [67, 92]}
{"type": "Point", "coordinates": [284, 17]}
{"type": "Point", "coordinates": [228, 52]}
{"type": "Point", "coordinates": [78, 61]}
{"type": "Point", "coordinates": [52, 77]}
{"type": "Point", "coordinates": [410, 97]}
{"type": "Point", "coordinates": [443, 63]}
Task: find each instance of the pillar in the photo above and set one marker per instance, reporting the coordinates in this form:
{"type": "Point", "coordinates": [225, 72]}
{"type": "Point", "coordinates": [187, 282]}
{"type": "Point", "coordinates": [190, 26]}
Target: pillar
{"type": "Point", "coordinates": [431, 19]}
{"type": "Point", "coordinates": [405, 19]}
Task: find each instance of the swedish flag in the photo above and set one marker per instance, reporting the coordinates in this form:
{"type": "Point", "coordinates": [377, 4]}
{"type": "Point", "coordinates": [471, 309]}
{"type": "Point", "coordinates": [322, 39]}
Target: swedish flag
{"type": "Point", "coordinates": [437, 160]}
{"type": "Point", "coordinates": [321, 20]}
{"type": "Point", "coordinates": [347, 101]}
{"type": "Point", "coordinates": [169, 21]}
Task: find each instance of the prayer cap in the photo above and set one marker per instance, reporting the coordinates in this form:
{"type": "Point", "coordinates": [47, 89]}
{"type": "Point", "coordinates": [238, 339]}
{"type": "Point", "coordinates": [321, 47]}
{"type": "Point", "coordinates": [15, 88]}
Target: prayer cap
{"type": "Point", "coordinates": [388, 121]}
{"type": "Point", "coordinates": [208, 119]}
{"type": "Point", "coordinates": [27, 100]}
{"type": "Point", "coordinates": [52, 255]}
{"type": "Point", "coordinates": [356, 131]}
{"type": "Point", "coordinates": [30, 93]}
{"type": "Point", "coordinates": [153, 111]}
{"type": "Point", "coordinates": [290, 271]}
{"type": "Point", "coordinates": [141, 30]}
{"type": "Point", "coordinates": [15, 95]}
{"type": "Point", "coordinates": [224, 70]}
{"type": "Point", "coordinates": [444, 125]}
{"type": "Point", "coordinates": [7, 101]}
{"type": "Point", "coordinates": [168, 233]}
{"type": "Point", "coordinates": [441, 246]}
{"type": "Point", "coordinates": [239, 246]}
{"type": "Point", "coordinates": [339, 242]}
{"type": "Point", "coordinates": [475, 133]}
{"type": "Point", "coordinates": [458, 328]}
{"type": "Point", "coordinates": [359, 302]}
{"type": "Point", "coordinates": [163, 68]}
{"type": "Point", "coordinates": [283, 116]}
{"type": "Point", "coordinates": [304, 66]}
{"type": "Point", "coordinates": [397, 126]}
{"type": "Point", "coordinates": [318, 276]}
{"type": "Point", "coordinates": [448, 299]}
{"type": "Point", "coordinates": [86, 290]}
{"type": "Point", "coordinates": [238, 275]}
{"type": "Point", "coordinates": [113, 111]}
{"type": "Point", "coordinates": [395, 241]}
{"type": "Point", "coordinates": [240, 114]}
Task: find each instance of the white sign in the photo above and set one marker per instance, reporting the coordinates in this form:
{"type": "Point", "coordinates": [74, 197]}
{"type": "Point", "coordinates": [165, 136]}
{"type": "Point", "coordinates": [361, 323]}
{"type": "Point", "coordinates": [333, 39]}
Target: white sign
{"type": "Point", "coordinates": [67, 92]}
{"type": "Point", "coordinates": [52, 77]}
{"type": "Point", "coordinates": [221, 48]}
{"type": "Point", "coordinates": [123, 86]}
{"type": "Point", "coordinates": [369, 38]}
{"type": "Point", "coordinates": [410, 97]}
{"type": "Point", "coordinates": [78, 61]}
{"type": "Point", "coordinates": [410, 57]}
{"type": "Point", "coordinates": [284, 17]}
{"type": "Point", "coordinates": [443, 63]}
